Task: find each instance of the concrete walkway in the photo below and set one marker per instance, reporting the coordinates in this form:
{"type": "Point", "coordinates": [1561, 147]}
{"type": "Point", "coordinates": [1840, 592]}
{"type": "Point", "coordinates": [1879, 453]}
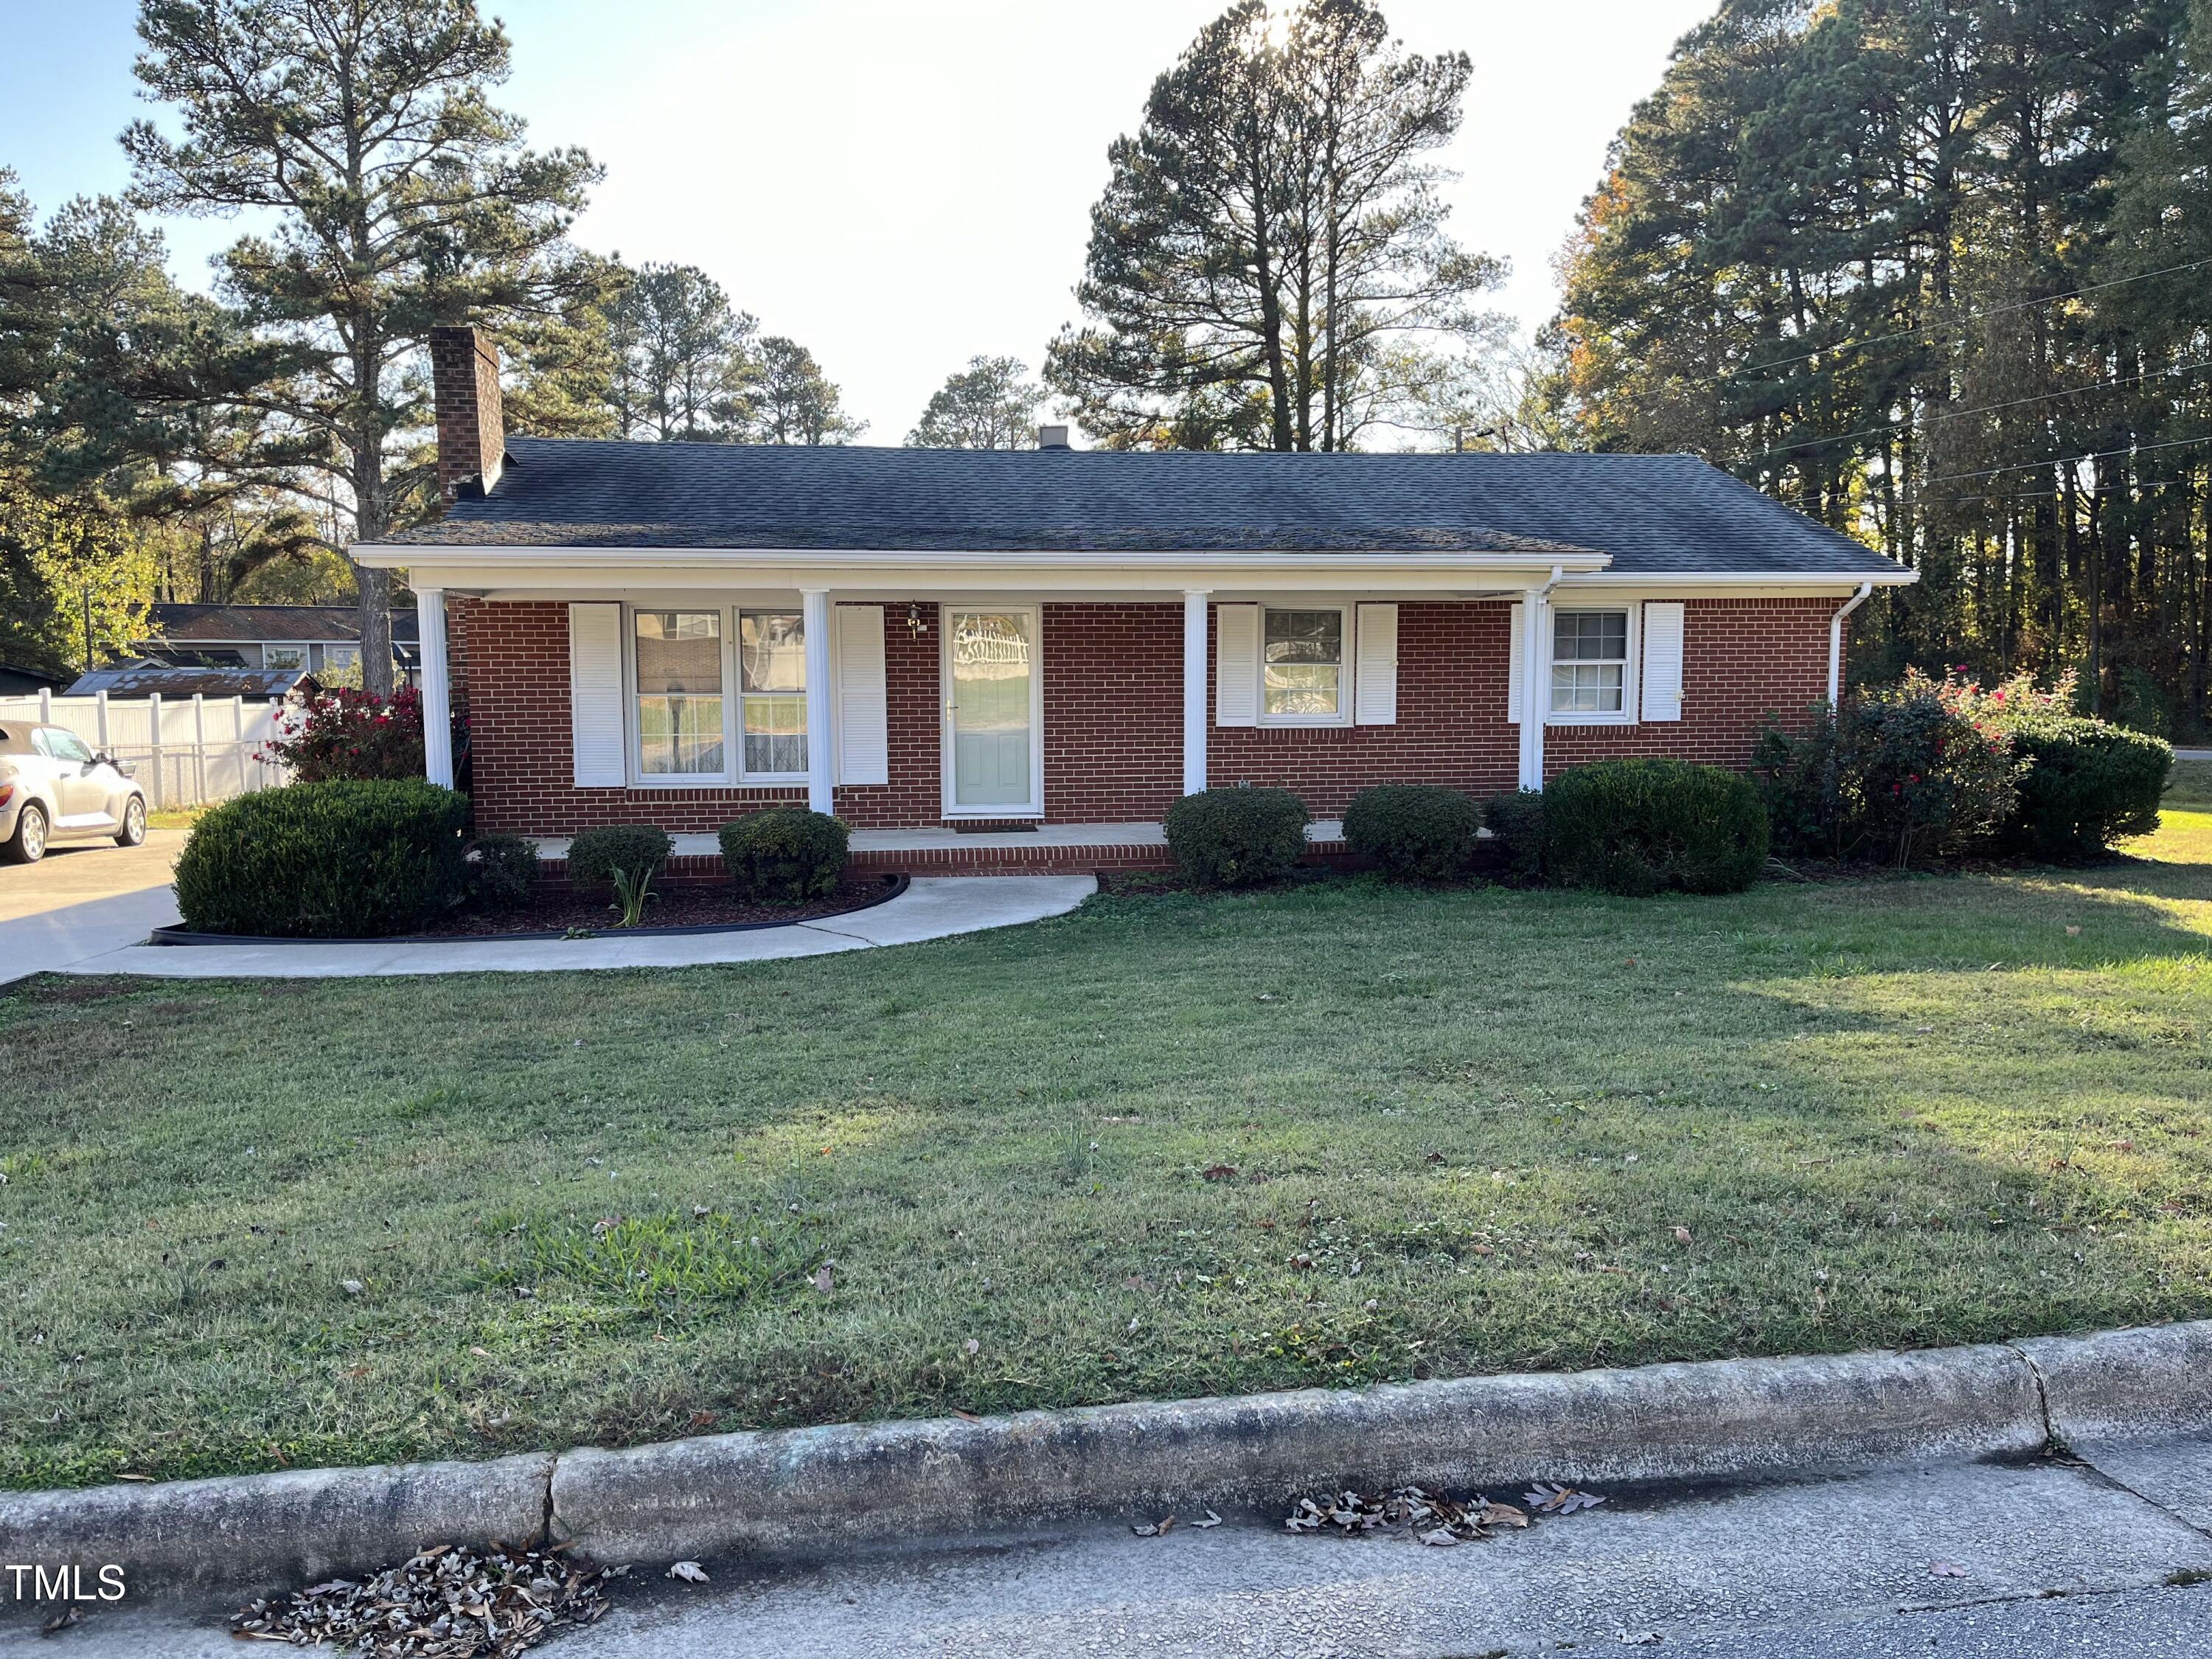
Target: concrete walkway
{"type": "Point", "coordinates": [931, 908]}
{"type": "Point", "coordinates": [84, 899]}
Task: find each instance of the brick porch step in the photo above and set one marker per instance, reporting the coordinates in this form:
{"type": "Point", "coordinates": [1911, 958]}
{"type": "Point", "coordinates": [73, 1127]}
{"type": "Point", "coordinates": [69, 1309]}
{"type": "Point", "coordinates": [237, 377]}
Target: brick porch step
{"type": "Point", "coordinates": [1052, 850]}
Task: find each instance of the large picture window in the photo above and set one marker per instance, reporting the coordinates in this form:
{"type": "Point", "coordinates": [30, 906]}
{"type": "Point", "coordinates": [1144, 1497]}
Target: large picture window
{"type": "Point", "coordinates": [1590, 662]}
{"type": "Point", "coordinates": [1302, 665]}
{"type": "Point", "coordinates": [679, 693]}
{"type": "Point", "coordinates": [772, 673]}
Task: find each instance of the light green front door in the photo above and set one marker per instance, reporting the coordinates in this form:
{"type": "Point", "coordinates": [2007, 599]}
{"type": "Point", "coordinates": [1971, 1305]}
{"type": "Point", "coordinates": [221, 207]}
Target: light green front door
{"type": "Point", "coordinates": [991, 679]}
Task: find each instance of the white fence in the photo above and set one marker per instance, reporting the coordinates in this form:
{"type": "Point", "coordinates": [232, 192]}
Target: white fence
{"type": "Point", "coordinates": [187, 751]}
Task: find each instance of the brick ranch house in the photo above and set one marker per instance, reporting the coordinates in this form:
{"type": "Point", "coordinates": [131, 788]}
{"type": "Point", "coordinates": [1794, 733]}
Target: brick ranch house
{"type": "Point", "coordinates": [992, 660]}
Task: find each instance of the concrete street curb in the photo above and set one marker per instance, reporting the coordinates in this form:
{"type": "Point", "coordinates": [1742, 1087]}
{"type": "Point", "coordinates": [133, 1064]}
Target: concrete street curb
{"type": "Point", "coordinates": [793, 1492]}
{"type": "Point", "coordinates": [299, 1524]}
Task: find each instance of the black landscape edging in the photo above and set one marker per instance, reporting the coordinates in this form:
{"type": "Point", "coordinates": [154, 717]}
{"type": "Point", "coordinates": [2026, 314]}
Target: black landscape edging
{"type": "Point", "coordinates": [893, 886]}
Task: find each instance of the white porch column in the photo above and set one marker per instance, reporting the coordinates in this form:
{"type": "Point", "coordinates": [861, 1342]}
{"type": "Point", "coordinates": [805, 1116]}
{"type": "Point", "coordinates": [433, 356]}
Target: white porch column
{"type": "Point", "coordinates": [437, 690]}
{"type": "Point", "coordinates": [1195, 611]}
{"type": "Point", "coordinates": [1535, 681]}
{"type": "Point", "coordinates": [821, 696]}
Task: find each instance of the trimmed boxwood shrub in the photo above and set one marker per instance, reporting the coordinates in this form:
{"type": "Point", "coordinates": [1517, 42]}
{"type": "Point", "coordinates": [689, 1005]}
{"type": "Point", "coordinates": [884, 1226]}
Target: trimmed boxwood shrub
{"type": "Point", "coordinates": [352, 859]}
{"type": "Point", "coordinates": [594, 855]}
{"type": "Point", "coordinates": [1515, 818]}
{"type": "Point", "coordinates": [1644, 826]}
{"type": "Point", "coordinates": [785, 854]}
{"type": "Point", "coordinates": [1238, 837]}
{"type": "Point", "coordinates": [503, 872]}
{"type": "Point", "coordinates": [2088, 783]}
{"type": "Point", "coordinates": [1414, 831]}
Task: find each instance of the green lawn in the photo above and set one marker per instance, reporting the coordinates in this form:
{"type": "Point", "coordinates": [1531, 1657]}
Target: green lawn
{"type": "Point", "coordinates": [1464, 1129]}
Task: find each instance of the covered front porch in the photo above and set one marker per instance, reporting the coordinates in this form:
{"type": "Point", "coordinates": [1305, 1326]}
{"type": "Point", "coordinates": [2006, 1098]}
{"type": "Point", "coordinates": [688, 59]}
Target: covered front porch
{"type": "Point", "coordinates": [1024, 693]}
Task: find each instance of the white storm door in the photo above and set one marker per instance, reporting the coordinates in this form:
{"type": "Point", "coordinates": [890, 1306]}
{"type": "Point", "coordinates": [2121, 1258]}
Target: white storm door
{"type": "Point", "coordinates": [992, 759]}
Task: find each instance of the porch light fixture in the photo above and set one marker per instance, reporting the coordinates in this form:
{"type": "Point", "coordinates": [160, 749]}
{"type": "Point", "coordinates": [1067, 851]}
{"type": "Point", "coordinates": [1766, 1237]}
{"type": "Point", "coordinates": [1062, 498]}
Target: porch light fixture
{"type": "Point", "coordinates": [913, 621]}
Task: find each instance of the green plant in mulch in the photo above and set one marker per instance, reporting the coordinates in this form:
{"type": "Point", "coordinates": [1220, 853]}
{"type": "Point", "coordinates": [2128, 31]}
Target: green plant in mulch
{"type": "Point", "coordinates": [1414, 831]}
{"type": "Point", "coordinates": [785, 854]}
{"type": "Point", "coordinates": [1238, 837]}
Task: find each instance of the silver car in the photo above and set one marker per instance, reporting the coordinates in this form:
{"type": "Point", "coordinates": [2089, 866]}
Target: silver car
{"type": "Point", "coordinates": [52, 789]}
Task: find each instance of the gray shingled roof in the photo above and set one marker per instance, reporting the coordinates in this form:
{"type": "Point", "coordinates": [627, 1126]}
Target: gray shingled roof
{"type": "Point", "coordinates": [1660, 513]}
{"type": "Point", "coordinates": [230, 623]}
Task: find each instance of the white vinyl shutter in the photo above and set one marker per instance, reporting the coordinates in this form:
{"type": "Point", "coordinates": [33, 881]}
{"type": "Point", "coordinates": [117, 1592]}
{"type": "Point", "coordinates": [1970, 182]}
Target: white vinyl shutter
{"type": "Point", "coordinates": [1236, 664]}
{"type": "Point", "coordinates": [1663, 659]}
{"type": "Point", "coordinates": [595, 695]}
{"type": "Point", "coordinates": [862, 707]}
{"type": "Point", "coordinates": [1375, 671]}
{"type": "Point", "coordinates": [1515, 670]}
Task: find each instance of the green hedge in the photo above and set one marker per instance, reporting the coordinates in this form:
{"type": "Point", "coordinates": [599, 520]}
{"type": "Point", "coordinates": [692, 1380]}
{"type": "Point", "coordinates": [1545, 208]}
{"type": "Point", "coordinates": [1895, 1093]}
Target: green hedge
{"type": "Point", "coordinates": [503, 872]}
{"type": "Point", "coordinates": [360, 858]}
{"type": "Point", "coordinates": [1644, 826]}
{"type": "Point", "coordinates": [594, 855]}
{"type": "Point", "coordinates": [2087, 784]}
{"type": "Point", "coordinates": [1238, 837]}
{"type": "Point", "coordinates": [1414, 831]}
{"type": "Point", "coordinates": [1515, 818]}
{"type": "Point", "coordinates": [785, 854]}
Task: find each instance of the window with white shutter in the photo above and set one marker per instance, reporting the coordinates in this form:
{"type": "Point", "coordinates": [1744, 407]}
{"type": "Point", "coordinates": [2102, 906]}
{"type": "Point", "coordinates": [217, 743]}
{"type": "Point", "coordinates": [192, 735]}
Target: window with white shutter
{"type": "Point", "coordinates": [1663, 659]}
{"type": "Point", "coordinates": [1376, 666]}
{"type": "Point", "coordinates": [595, 696]}
{"type": "Point", "coordinates": [863, 704]}
{"type": "Point", "coordinates": [1515, 665]}
{"type": "Point", "coordinates": [1236, 664]}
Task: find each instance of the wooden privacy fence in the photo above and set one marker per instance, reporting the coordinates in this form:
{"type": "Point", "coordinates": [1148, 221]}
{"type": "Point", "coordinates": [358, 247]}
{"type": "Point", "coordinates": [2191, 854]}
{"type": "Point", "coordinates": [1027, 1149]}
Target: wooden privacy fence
{"type": "Point", "coordinates": [188, 752]}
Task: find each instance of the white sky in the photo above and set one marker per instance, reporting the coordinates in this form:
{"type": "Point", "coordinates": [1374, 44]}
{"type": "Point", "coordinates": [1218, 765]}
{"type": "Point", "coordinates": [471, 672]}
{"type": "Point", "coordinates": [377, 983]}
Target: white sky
{"type": "Point", "coordinates": [900, 185]}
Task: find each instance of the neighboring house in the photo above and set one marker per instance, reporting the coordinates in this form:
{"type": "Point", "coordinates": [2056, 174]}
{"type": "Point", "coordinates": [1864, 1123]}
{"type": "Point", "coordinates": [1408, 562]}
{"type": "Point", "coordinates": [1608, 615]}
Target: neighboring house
{"type": "Point", "coordinates": [136, 680]}
{"type": "Point", "coordinates": [17, 681]}
{"type": "Point", "coordinates": [322, 639]}
{"type": "Point", "coordinates": [923, 639]}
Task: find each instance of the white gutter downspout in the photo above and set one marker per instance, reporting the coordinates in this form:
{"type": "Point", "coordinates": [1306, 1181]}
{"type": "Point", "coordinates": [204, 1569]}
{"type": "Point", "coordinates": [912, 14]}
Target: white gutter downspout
{"type": "Point", "coordinates": [1536, 672]}
{"type": "Point", "coordinates": [1836, 642]}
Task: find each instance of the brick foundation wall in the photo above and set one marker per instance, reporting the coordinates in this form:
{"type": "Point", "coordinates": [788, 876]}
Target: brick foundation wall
{"type": "Point", "coordinates": [1113, 718]}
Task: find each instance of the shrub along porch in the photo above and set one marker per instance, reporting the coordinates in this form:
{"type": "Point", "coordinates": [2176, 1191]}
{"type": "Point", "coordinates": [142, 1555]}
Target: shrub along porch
{"type": "Point", "coordinates": [916, 639]}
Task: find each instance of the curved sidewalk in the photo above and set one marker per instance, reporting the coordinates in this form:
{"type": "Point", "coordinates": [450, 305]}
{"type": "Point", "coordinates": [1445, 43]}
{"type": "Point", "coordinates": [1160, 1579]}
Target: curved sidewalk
{"type": "Point", "coordinates": [932, 907]}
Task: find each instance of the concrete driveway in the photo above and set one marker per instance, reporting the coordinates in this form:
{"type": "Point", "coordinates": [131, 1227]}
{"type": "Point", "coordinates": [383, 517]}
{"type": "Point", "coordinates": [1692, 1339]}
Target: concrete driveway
{"type": "Point", "coordinates": [83, 899]}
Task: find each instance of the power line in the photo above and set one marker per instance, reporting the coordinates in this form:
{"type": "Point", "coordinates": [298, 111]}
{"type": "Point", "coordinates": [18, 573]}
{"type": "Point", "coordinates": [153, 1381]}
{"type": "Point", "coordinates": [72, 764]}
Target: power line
{"type": "Point", "coordinates": [1920, 485]}
{"type": "Point", "coordinates": [1976, 316]}
{"type": "Point", "coordinates": [1981, 409]}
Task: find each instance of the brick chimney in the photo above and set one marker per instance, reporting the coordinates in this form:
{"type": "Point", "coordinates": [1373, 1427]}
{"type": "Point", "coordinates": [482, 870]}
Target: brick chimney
{"type": "Point", "coordinates": [471, 427]}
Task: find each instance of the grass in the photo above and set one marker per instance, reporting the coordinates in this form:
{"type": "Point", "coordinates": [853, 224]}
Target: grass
{"type": "Point", "coordinates": [1166, 1145]}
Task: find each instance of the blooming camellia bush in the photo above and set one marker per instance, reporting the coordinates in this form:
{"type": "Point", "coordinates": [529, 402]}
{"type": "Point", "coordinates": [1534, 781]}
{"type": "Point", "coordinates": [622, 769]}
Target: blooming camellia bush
{"type": "Point", "coordinates": [1904, 772]}
{"type": "Point", "coordinates": [343, 733]}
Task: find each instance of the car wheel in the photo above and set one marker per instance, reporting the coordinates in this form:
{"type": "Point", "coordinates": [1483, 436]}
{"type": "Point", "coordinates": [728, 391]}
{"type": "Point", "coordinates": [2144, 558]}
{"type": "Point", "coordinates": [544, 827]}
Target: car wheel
{"type": "Point", "coordinates": [28, 845]}
{"type": "Point", "coordinates": [134, 824]}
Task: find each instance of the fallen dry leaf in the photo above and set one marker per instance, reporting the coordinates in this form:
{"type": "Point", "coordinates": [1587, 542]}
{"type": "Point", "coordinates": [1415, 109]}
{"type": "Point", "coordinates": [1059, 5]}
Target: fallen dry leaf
{"type": "Point", "coordinates": [1946, 1569]}
{"type": "Point", "coordinates": [1682, 1236]}
{"type": "Point", "coordinates": [690, 1571]}
{"type": "Point", "coordinates": [1549, 1498]}
{"type": "Point", "coordinates": [1219, 1172]}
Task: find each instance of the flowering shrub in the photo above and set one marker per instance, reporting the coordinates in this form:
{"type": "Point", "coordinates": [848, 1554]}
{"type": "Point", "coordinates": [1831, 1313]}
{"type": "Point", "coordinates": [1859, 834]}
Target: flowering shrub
{"type": "Point", "coordinates": [343, 733]}
{"type": "Point", "coordinates": [2085, 783]}
{"type": "Point", "coordinates": [1904, 772]}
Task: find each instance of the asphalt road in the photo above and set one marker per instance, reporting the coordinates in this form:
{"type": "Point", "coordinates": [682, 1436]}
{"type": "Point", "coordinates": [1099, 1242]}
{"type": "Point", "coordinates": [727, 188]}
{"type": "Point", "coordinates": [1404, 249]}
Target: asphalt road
{"type": "Point", "coordinates": [84, 899]}
{"type": "Point", "coordinates": [2019, 1561]}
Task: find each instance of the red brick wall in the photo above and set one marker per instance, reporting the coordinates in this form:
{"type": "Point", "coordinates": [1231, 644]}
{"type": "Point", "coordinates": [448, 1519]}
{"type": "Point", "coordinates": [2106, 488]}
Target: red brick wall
{"type": "Point", "coordinates": [1113, 716]}
{"type": "Point", "coordinates": [1113, 712]}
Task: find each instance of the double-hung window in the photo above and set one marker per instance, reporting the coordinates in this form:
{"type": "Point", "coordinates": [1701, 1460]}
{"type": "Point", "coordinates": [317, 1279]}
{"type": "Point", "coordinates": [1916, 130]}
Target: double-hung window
{"type": "Point", "coordinates": [1590, 662]}
{"type": "Point", "coordinates": [1302, 678]}
{"type": "Point", "coordinates": [679, 693]}
{"type": "Point", "coordinates": [772, 671]}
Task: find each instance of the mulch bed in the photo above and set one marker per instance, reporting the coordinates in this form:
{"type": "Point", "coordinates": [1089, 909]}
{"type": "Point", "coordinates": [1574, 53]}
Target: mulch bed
{"type": "Point", "coordinates": [679, 905]}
